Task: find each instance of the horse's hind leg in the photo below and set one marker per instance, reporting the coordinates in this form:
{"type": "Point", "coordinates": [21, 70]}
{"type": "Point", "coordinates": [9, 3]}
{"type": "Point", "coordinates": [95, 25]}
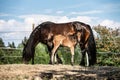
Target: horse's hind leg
{"type": "Point", "coordinates": [56, 45]}
{"type": "Point", "coordinates": [59, 59]}
{"type": "Point", "coordinates": [55, 58]}
{"type": "Point", "coordinates": [72, 55]}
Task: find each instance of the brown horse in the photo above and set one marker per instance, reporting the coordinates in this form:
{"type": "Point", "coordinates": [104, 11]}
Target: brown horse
{"type": "Point", "coordinates": [44, 33]}
{"type": "Point", "coordinates": [48, 31]}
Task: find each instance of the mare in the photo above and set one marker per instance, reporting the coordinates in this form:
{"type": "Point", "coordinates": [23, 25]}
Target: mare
{"type": "Point", "coordinates": [47, 32]}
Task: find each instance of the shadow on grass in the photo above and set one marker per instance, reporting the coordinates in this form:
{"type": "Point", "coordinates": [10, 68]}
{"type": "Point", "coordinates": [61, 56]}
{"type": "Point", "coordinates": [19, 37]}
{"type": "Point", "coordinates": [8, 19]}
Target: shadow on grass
{"type": "Point", "coordinates": [89, 73]}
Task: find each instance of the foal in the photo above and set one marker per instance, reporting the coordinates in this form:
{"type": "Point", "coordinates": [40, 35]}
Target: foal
{"type": "Point", "coordinates": [68, 41]}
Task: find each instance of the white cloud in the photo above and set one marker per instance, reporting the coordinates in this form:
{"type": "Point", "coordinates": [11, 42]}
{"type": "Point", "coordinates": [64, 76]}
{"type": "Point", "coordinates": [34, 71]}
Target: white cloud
{"type": "Point", "coordinates": [37, 19]}
{"type": "Point", "coordinates": [84, 19]}
{"type": "Point", "coordinates": [29, 20]}
{"type": "Point", "coordinates": [110, 24]}
{"type": "Point", "coordinates": [2, 22]}
{"type": "Point", "coordinates": [11, 30]}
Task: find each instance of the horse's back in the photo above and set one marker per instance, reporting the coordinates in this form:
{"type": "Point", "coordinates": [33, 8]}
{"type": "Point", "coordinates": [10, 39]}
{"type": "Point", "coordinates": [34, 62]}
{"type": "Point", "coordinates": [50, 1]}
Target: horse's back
{"type": "Point", "coordinates": [58, 28]}
{"type": "Point", "coordinates": [68, 41]}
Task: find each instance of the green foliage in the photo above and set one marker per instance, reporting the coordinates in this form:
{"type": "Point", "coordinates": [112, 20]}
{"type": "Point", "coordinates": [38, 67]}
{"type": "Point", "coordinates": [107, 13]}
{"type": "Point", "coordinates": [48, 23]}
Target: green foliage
{"type": "Point", "coordinates": [65, 55]}
{"type": "Point", "coordinates": [24, 41]}
{"type": "Point", "coordinates": [108, 59]}
{"type": "Point", "coordinates": [41, 54]}
{"type": "Point", "coordinates": [8, 56]}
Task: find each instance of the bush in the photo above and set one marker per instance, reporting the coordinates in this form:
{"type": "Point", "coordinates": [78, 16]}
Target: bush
{"type": "Point", "coordinates": [108, 59]}
{"type": "Point", "coordinates": [41, 54]}
{"type": "Point", "coordinates": [10, 56]}
{"type": "Point", "coordinates": [108, 40]}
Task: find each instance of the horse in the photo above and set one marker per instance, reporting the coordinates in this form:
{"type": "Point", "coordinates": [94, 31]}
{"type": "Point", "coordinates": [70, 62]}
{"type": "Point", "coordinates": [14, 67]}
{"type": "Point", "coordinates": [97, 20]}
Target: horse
{"type": "Point", "coordinates": [46, 32]}
{"type": "Point", "coordinates": [68, 41]}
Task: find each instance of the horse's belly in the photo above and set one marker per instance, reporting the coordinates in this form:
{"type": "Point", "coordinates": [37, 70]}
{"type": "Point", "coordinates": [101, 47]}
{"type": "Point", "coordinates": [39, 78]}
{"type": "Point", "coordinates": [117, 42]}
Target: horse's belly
{"type": "Point", "coordinates": [67, 43]}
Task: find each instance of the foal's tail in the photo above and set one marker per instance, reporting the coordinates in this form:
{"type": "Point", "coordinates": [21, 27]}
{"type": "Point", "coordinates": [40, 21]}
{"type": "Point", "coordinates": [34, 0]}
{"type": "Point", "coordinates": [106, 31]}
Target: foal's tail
{"type": "Point", "coordinates": [92, 47]}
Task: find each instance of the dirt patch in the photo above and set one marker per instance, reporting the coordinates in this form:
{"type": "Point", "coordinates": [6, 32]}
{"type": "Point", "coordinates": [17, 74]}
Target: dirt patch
{"type": "Point", "coordinates": [57, 72]}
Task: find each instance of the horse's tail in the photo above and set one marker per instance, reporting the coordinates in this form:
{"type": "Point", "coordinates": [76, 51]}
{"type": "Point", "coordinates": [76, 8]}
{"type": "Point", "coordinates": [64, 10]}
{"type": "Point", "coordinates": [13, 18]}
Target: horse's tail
{"type": "Point", "coordinates": [92, 47]}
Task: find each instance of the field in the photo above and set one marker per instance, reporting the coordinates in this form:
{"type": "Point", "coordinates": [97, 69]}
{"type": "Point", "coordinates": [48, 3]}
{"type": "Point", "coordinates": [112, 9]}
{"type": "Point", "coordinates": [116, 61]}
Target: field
{"type": "Point", "coordinates": [58, 72]}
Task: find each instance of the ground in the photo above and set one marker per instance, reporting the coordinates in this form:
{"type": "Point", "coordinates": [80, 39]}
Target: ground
{"type": "Point", "coordinates": [57, 72]}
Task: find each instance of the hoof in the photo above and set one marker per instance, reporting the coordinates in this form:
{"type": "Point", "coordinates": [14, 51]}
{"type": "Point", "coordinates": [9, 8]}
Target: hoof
{"type": "Point", "coordinates": [82, 64]}
{"type": "Point", "coordinates": [51, 63]}
{"type": "Point", "coordinates": [25, 62]}
{"type": "Point", "coordinates": [72, 63]}
{"type": "Point", "coordinates": [56, 63]}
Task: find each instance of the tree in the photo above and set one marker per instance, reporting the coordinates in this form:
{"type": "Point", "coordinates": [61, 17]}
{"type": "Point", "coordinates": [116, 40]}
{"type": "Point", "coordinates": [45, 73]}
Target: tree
{"type": "Point", "coordinates": [1, 43]}
{"type": "Point", "coordinates": [11, 45]}
{"type": "Point", "coordinates": [24, 41]}
{"type": "Point", "coordinates": [108, 40]}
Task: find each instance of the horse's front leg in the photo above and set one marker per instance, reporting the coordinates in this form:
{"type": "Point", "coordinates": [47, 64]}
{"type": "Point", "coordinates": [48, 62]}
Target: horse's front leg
{"type": "Point", "coordinates": [50, 52]}
{"type": "Point", "coordinates": [87, 58]}
{"type": "Point", "coordinates": [32, 60]}
{"type": "Point", "coordinates": [83, 58]}
{"type": "Point", "coordinates": [72, 55]}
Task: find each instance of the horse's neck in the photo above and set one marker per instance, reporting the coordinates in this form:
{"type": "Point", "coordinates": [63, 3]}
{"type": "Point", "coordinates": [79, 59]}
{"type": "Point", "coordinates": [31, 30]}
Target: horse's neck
{"type": "Point", "coordinates": [32, 42]}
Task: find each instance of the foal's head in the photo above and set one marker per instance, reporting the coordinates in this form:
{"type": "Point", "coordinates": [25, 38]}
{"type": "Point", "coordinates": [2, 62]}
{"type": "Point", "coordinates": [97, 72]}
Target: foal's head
{"type": "Point", "coordinates": [78, 34]}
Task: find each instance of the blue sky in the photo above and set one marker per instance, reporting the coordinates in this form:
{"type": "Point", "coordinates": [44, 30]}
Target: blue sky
{"type": "Point", "coordinates": [101, 8]}
{"type": "Point", "coordinates": [18, 15]}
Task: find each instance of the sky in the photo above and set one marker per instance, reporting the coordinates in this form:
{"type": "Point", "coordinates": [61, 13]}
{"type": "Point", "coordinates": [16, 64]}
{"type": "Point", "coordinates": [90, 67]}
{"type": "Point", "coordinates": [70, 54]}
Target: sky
{"type": "Point", "coordinates": [17, 16]}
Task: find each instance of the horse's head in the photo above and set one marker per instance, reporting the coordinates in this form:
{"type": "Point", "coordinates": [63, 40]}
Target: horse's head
{"type": "Point", "coordinates": [78, 30]}
{"type": "Point", "coordinates": [26, 54]}
{"type": "Point", "coordinates": [78, 36]}
{"type": "Point", "coordinates": [82, 32]}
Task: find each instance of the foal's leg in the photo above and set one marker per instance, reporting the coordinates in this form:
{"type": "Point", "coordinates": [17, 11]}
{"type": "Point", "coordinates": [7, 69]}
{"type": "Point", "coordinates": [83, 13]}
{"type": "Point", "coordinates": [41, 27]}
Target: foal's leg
{"type": "Point", "coordinates": [56, 45]}
{"type": "Point", "coordinates": [72, 55]}
{"type": "Point", "coordinates": [58, 59]}
{"type": "Point", "coordinates": [55, 58]}
{"type": "Point", "coordinates": [50, 52]}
